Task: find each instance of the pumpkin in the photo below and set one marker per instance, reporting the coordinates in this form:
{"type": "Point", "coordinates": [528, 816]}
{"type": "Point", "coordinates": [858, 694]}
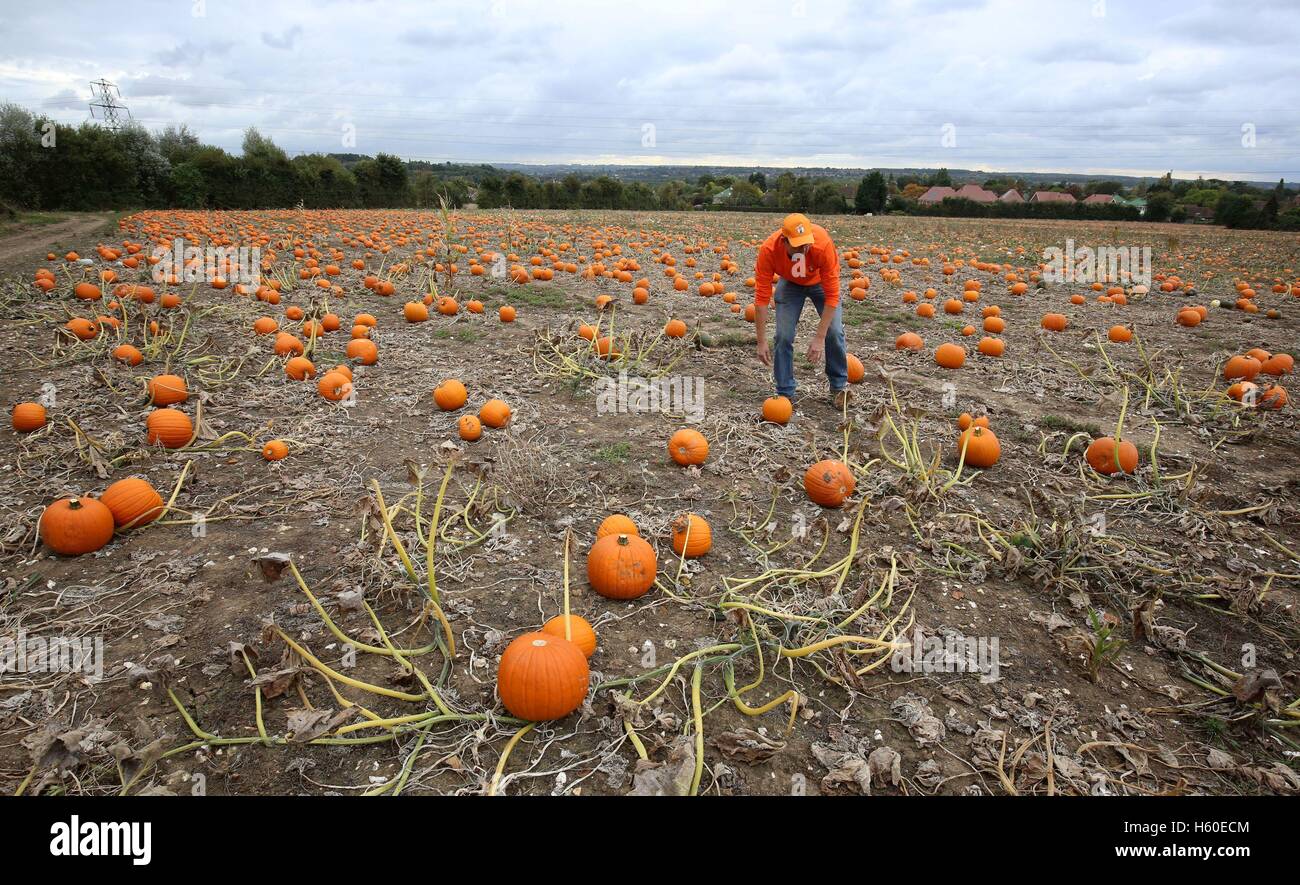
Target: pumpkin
{"type": "Point", "coordinates": [363, 350]}
{"type": "Point", "coordinates": [334, 385]}
{"type": "Point", "coordinates": [507, 314]}
{"type": "Point", "coordinates": [1278, 364]}
{"type": "Point", "coordinates": [675, 329]}
{"type": "Point", "coordinates": [1120, 334]}
{"type": "Point", "coordinates": [448, 306]}
{"type": "Point", "coordinates": [170, 427]}
{"type": "Point", "coordinates": [415, 312]}
{"type": "Point", "coordinates": [616, 524]}
{"type": "Point", "coordinates": [1273, 397]}
{"type": "Point", "coordinates": [908, 341]}
{"type": "Point", "coordinates": [166, 390]}
{"type": "Point", "coordinates": [581, 633]}
{"type": "Point", "coordinates": [541, 677]}
{"type": "Point", "coordinates": [1242, 368]}
{"type": "Point", "coordinates": [474, 306]}
{"type": "Point", "coordinates": [856, 370]}
{"type": "Point", "coordinates": [990, 346]}
{"type": "Point", "coordinates": [829, 483]}
{"type": "Point", "coordinates": [777, 409]}
{"type": "Point", "coordinates": [275, 450]}
{"type": "Point", "coordinates": [687, 447]}
{"type": "Point", "coordinates": [980, 445]}
{"type": "Point", "coordinates": [950, 356]}
{"type": "Point", "coordinates": [299, 368]}
{"type": "Point", "coordinates": [1101, 455]}
{"type": "Point", "coordinates": [450, 395]}
{"type": "Point", "coordinates": [133, 502]}
{"type": "Point", "coordinates": [469, 428]}
{"type": "Point", "coordinates": [964, 420]}
{"type": "Point", "coordinates": [286, 344]}
{"type": "Point", "coordinates": [1189, 317]}
{"type": "Point", "coordinates": [27, 417]}
{"type": "Point", "coordinates": [73, 526]}
{"type": "Point", "coordinates": [125, 353]}
{"type": "Point", "coordinates": [495, 413]}
{"type": "Point", "coordinates": [995, 325]}
{"type": "Point", "coordinates": [700, 541]}
{"type": "Point", "coordinates": [1055, 322]}
{"type": "Point", "coordinates": [621, 566]}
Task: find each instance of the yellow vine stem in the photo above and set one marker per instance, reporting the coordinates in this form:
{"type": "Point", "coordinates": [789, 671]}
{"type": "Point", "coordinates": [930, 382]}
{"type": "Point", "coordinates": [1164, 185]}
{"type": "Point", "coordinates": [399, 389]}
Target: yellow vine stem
{"type": "Point", "coordinates": [346, 680]}
{"type": "Point", "coordinates": [698, 717]}
{"type": "Point", "coordinates": [431, 546]}
{"type": "Point", "coordinates": [636, 741]}
{"type": "Point", "coordinates": [505, 755]}
{"type": "Point", "coordinates": [887, 582]}
{"type": "Point", "coordinates": [568, 624]}
{"type": "Point", "coordinates": [677, 665]}
{"type": "Point", "coordinates": [257, 697]}
{"type": "Point", "coordinates": [791, 695]}
{"type": "Point", "coordinates": [343, 637]}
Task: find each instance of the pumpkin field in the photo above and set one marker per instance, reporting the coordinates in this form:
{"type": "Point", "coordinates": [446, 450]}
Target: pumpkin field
{"type": "Point", "coordinates": [501, 502]}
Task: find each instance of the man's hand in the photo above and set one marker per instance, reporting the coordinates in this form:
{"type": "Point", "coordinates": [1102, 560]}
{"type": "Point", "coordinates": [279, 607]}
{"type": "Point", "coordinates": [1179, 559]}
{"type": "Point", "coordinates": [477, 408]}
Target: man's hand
{"type": "Point", "coordinates": [816, 347]}
{"type": "Point", "coordinates": [764, 353]}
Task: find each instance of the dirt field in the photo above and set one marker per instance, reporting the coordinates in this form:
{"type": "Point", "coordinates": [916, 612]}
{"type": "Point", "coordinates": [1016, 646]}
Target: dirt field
{"type": "Point", "coordinates": [1145, 625]}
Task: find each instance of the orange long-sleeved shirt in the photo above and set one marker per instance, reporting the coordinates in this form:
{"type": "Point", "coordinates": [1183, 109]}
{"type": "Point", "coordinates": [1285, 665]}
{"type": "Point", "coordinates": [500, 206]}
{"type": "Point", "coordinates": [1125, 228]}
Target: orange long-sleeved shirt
{"type": "Point", "coordinates": [820, 265]}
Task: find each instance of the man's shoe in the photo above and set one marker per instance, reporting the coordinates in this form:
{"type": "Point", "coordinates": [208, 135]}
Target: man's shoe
{"type": "Point", "coordinates": [840, 399]}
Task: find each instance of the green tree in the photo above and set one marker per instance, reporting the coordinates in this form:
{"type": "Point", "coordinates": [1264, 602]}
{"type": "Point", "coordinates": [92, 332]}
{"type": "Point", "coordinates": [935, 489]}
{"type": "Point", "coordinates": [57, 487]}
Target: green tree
{"type": "Point", "coordinates": [872, 194]}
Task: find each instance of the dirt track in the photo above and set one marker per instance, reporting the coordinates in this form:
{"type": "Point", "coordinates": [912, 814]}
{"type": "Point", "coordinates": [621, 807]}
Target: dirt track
{"type": "Point", "coordinates": [21, 249]}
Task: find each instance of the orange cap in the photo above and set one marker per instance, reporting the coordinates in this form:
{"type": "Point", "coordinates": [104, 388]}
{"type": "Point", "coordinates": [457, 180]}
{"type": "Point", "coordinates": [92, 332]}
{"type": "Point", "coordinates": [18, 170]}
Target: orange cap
{"type": "Point", "coordinates": [797, 229]}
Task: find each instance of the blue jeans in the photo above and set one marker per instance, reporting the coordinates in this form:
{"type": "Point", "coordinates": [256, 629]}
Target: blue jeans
{"type": "Point", "coordinates": [789, 298]}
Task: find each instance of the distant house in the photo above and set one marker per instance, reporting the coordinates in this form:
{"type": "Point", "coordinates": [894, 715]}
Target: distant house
{"type": "Point", "coordinates": [1011, 196]}
{"type": "Point", "coordinates": [936, 194]}
{"type": "Point", "coordinates": [1138, 203]}
{"type": "Point", "coordinates": [976, 193]}
{"type": "Point", "coordinates": [1199, 214]}
{"type": "Point", "coordinates": [1052, 197]}
{"type": "Point", "coordinates": [722, 196]}
{"type": "Point", "coordinates": [1099, 198]}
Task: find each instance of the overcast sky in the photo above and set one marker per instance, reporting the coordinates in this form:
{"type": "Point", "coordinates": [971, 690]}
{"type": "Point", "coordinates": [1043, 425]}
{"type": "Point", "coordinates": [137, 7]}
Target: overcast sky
{"type": "Point", "coordinates": [1094, 86]}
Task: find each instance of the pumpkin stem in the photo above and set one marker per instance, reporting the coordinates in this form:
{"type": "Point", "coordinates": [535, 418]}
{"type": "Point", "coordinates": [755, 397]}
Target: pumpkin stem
{"type": "Point", "coordinates": [74, 503]}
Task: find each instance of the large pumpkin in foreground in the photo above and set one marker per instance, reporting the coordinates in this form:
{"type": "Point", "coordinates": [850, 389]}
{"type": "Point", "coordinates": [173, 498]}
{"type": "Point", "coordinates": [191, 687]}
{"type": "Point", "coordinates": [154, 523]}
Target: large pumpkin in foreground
{"type": "Point", "coordinates": [621, 566]}
{"type": "Point", "coordinates": [542, 677]}
{"type": "Point", "coordinates": [73, 526]}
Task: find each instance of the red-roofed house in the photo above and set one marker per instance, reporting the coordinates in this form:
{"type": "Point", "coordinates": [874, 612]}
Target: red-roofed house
{"type": "Point", "coordinates": [936, 194]}
{"type": "Point", "coordinates": [1052, 197]}
{"type": "Point", "coordinates": [1011, 196]}
{"type": "Point", "coordinates": [976, 193]}
{"type": "Point", "coordinates": [1099, 198]}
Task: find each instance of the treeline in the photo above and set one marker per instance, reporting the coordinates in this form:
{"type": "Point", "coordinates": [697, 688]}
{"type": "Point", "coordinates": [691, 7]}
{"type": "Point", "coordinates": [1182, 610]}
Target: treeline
{"type": "Point", "coordinates": [45, 165]}
{"type": "Point", "coordinates": [959, 207]}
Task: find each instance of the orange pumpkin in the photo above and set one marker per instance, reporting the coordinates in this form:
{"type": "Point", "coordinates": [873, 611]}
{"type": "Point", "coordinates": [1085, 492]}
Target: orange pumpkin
{"type": "Point", "coordinates": [980, 445]}
{"type": "Point", "coordinates": [450, 395]}
{"type": "Point", "coordinates": [541, 677]}
{"type": "Point", "coordinates": [133, 502]}
{"type": "Point", "coordinates": [166, 390]}
{"type": "Point", "coordinates": [469, 428]}
{"type": "Point", "coordinates": [829, 483]}
{"type": "Point", "coordinates": [777, 409]}
{"type": "Point", "coordinates": [616, 524]}
{"type": "Point", "coordinates": [700, 540]}
{"type": "Point", "coordinates": [1106, 458]}
{"type": "Point", "coordinates": [495, 413]}
{"type": "Point", "coordinates": [687, 447]}
{"type": "Point", "coordinates": [621, 566]}
{"type": "Point", "coordinates": [580, 632]}
{"type": "Point", "coordinates": [73, 526]}
{"type": "Point", "coordinates": [275, 450]}
{"type": "Point", "coordinates": [27, 417]}
{"type": "Point", "coordinates": [169, 427]}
